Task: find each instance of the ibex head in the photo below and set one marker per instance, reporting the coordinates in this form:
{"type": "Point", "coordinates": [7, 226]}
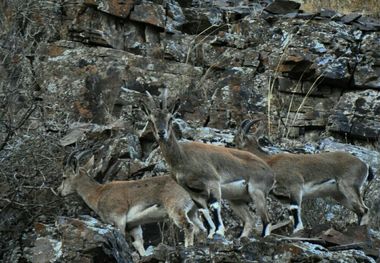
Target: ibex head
{"type": "Point", "coordinates": [160, 116]}
{"type": "Point", "coordinates": [243, 137]}
{"type": "Point", "coordinates": [72, 171]}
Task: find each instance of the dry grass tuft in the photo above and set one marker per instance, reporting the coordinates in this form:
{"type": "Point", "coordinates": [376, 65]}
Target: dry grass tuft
{"type": "Point", "coordinates": [368, 7]}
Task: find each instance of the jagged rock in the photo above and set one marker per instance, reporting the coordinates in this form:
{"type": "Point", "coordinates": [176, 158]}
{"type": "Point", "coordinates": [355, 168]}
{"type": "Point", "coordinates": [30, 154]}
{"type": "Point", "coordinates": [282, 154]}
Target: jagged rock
{"type": "Point", "coordinates": [296, 66]}
{"type": "Point", "coordinates": [105, 30]}
{"type": "Point", "coordinates": [204, 134]}
{"type": "Point", "coordinates": [149, 13]}
{"type": "Point", "coordinates": [310, 112]}
{"type": "Point", "coordinates": [255, 31]}
{"type": "Point", "coordinates": [282, 7]}
{"type": "Point", "coordinates": [350, 18]}
{"type": "Point", "coordinates": [113, 7]}
{"type": "Point", "coordinates": [303, 87]}
{"type": "Point", "coordinates": [185, 3]}
{"type": "Point", "coordinates": [227, 107]}
{"type": "Point", "coordinates": [320, 58]}
{"type": "Point", "coordinates": [134, 37]}
{"type": "Point", "coordinates": [355, 237]}
{"type": "Point", "coordinates": [77, 240]}
{"type": "Point", "coordinates": [200, 20]}
{"type": "Point", "coordinates": [366, 73]}
{"type": "Point", "coordinates": [327, 13]}
{"type": "Point", "coordinates": [95, 239]}
{"type": "Point", "coordinates": [226, 39]}
{"type": "Point", "coordinates": [120, 77]}
{"type": "Point", "coordinates": [357, 114]}
{"type": "Point", "coordinates": [222, 51]}
{"type": "Point", "coordinates": [335, 70]}
{"type": "Point", "coordinates": [220, 57]}
{"type": "Point", "coordinates": [78, 131]}
{"type": "Point", "coordinates": [263, 250]}
{"type": "Point", "coordinates": [180, 48]}
{"type": "Point", "coordinates": [237, 12]}
{"type": "Point", "coordinates": [46, 250]}
{"type": "Point", "coordinates": [367, 24]}
{"type": "Point", "coordinates": [175, 17]}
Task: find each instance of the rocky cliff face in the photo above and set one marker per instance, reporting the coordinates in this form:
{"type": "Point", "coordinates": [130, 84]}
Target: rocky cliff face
{"type": "Point", "coordinates": [73, 72]}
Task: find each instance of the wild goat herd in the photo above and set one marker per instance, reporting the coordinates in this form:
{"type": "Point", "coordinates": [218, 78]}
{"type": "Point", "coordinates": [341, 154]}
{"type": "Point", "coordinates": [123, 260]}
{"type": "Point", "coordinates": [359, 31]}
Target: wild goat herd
{"type": "Point", "coordinates": [203, 174]}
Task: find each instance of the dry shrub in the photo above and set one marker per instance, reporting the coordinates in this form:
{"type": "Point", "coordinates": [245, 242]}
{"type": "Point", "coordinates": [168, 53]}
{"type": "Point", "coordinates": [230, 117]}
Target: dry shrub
{"type": "Point", "coordinates": [29, 153]}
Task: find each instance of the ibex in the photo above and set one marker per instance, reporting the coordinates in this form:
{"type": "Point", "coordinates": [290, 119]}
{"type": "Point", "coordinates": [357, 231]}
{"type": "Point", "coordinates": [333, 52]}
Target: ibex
{"type": "Point", "coordinates": [130, 204]}
{"type": "Point", "coordinates": [339, 175]}
{"type": "Point", "coordinates": [210, 172]}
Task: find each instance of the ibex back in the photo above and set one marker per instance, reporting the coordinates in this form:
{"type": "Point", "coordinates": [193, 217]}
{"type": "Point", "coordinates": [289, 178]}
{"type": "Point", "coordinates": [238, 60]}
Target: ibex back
{"type": "Point", "coordinates": [211, 172]}
{"type": "Point", "coordinates": [130, 204]}
{"type": "Point", "coordinates": [339, 175]}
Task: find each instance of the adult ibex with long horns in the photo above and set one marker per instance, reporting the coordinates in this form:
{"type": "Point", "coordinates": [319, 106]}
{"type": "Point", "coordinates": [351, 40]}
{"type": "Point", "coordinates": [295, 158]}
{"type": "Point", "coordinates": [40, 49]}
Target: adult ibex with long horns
{"type": "Point", "coordinates": [210, 173]}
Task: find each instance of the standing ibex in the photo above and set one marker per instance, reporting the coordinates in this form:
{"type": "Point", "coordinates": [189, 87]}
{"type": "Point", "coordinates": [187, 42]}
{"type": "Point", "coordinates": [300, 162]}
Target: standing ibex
{"type": "Point", "coordinates": [130, 204]}
{"type": "Point", "coordinates": [339, 175]}
{"type": "Point", "coordinates": [210, 172]}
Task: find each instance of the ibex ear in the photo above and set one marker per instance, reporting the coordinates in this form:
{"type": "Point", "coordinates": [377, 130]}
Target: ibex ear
{"type": "Point", "coordinates": [176, 106]}
{"type": "Point", "coordinates": [241, 130]}
{"type": "Point", "coordinates": [88, 166]}
{"type": "Point", "coordinates": [251, 124]}
{"type": "Point", "coordinates": [144, 108]}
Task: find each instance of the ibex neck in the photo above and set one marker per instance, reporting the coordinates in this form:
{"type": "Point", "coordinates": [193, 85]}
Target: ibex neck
{"type": "Point", "coordinates": [256, 150]}
{"type": "Point", "coordinates": [88, 189]}
{"type": "Point", "coordinates": [172, 151]}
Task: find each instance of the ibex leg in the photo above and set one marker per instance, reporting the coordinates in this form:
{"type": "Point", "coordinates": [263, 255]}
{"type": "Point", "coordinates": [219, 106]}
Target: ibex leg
{"type": "Point", "coordinates": [259, 198]}
{"type": "Point", "coordinates": [242, 211]}
{"type": "Point", "coordinates": [350, 197]}
{"type": "Point", "coordinates": [138, 241]}
{"type": "Point", "coordinates": [215, 205]}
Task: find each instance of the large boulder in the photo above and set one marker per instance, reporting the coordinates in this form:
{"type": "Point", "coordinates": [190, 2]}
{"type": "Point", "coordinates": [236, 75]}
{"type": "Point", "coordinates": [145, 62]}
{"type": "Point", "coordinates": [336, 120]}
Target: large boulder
{"type": "Point", "coordinates": [357, 114]}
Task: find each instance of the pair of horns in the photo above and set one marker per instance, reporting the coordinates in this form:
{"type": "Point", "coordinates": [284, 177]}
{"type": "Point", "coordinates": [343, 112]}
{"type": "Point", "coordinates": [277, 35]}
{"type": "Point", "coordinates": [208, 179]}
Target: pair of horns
{"type": "Point", "coordinates": [246, 125]}
{"type": "Point", "coordinates": [164, 98]}
{"type": "Point", "coordinates": [75, 157]}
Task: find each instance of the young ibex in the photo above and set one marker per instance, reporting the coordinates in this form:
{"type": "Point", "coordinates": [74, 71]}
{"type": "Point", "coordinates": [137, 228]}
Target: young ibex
{"type": "Point", "coordinates": [339, 175]}
{"type": "Point", "coordinates": [210, 172]}
{"type": "Point", "coordinates": [130, 204]}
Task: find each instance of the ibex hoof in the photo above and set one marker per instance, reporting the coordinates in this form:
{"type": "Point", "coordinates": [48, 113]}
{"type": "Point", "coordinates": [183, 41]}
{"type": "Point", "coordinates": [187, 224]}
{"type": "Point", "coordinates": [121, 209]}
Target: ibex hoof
{"type": "Point", "coordinates": [218, 237]}
{"type": "Point", "coordinates": [221, 239]}
{"type": "Point", "coordinates": [247, 240]}
{"type": "Point", "coordinates": [298, 231]}
{"type": "Point", "coordinates": [364, 220]}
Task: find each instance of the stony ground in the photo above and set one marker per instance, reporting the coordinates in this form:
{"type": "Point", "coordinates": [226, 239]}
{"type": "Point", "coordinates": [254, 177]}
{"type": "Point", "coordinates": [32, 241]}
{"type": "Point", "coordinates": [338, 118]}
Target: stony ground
{"type": "Point", "coordinates": [72, 74]}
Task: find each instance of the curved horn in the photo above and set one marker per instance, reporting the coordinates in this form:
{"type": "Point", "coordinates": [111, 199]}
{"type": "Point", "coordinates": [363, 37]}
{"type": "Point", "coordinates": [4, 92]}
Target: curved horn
{"type": "Point", "coordinates": [248, 126]}
{"type": "Point", "coordinates": [165, 98]}
{"type": "Point", "coordinates": [68, 161]}
{"type": "Point", "coordinates": [150, 98]}
{"type": "Point", "coordinates": [81, 154]}
{"type": "Point", "coordinates": [79, 157]}
{"type": "Point", "coordinates": [240, 130]}
{"type": "Point", "coordinates": [243, 123]}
